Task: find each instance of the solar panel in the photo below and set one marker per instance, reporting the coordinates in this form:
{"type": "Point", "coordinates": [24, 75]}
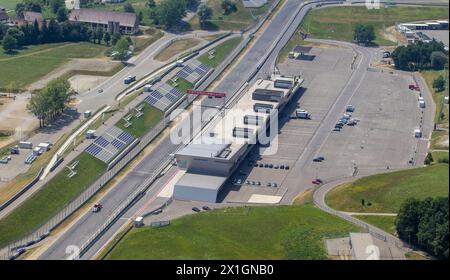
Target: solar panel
{"type": "Point", "coordinates": [173, 98]}
{"type": "Point", "coordinates": [156, 94]}
{"type": "Point", "coordinates": [125, 137]}
{"type": "Point", "coordinates": [93, 149]}
{"type": "Point", "coordinates": [118, 144]}
{"type": "Point", "coordinates": [101, 141]}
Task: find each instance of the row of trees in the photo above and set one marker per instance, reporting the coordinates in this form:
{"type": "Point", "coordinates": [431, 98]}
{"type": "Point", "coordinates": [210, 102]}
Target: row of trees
{"type": "Point", "coordinates": [53, 32]}
{"type": "Point", "coordinates": [49, 103]}
{"type": "Point", "coordinates": [420, 56]}
{"type": "Point", "coordinates": [424, 223]}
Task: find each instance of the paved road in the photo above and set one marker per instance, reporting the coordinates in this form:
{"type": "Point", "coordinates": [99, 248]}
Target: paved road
{"type": "Point", "coordinates": [87, 225]}
{"type": "Point", "coordinates": [319, 201]}
{"type": "Point", "coordinates": [142, 66]}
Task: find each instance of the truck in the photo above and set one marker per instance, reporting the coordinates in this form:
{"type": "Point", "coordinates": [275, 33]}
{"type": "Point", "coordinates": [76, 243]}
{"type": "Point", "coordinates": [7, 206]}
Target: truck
{"type": "Point", "coordinates": [129, 79]}
{"type": "Point", "coordinates": [302, 114]}
{"type": "Point", "coordinates": [25, 145]}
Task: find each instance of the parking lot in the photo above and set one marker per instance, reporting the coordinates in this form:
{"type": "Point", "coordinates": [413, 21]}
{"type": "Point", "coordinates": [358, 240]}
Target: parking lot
{"type": "Point", "coordinates": [320, 89]}
{"type": "Point", "coordinates": [386, 112]}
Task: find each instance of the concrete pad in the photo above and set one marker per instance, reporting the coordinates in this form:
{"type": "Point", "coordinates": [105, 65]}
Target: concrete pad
{"type": "Point", "coordinates": [167, 191]}
{"type": "Point", "coordinates": [267, 199]}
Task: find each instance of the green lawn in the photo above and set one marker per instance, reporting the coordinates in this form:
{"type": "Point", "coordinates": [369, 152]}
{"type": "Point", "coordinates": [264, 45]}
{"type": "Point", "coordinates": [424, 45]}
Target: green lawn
{"type": "Point", "coordinates": [242, 18]}
{"type": "Point", "coordinates": [274, 232]}
{"type": "Point", "coordinates": [9, 4]}
{"type": "Point", "coordinates": [34, 62]}
{"type": "Point", "coordinates": [50, 199]}
{"type": "Point", "coordinates": [436, 140]}
{"type": "Point", "coordinates": [339, 22]}
{"type": "Point", "coordinates": [182, 84]}
{"type": "Point", "coordinates": [386, 192]}
{"type": "Point", "coordinates": [140, 126]}
{"type": "Point", "coordinates": [386, 223]}
{"type": "Point", "coordinates": [222, 51]}
{"type": "Point", "coordinates": [438, 97]}
{"type": "Point", "coordinates": [440, 157]}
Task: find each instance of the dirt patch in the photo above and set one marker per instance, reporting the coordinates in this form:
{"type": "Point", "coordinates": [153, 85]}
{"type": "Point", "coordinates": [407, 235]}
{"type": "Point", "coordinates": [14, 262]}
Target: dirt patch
{"type": "Point", "coordinates": [177, 47]}
{"type": "Point", "coordinates": [82, 83]}
{"type": "Point", "coordinates": [15, 116]}
{"type": "Point", "coordinates": [97, 65]}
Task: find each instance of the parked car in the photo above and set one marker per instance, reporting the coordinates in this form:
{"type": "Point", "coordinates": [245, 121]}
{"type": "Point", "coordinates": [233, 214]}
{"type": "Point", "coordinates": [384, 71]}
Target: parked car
{"type": "Point", "coordinates": [195, 209]}
{"type": "Point", "coordinates": [206, 208]}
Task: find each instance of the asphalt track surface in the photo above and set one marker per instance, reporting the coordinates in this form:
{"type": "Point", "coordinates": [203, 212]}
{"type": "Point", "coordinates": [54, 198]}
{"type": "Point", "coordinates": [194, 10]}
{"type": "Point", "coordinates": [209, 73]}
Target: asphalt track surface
{"type": "Point", "coordinates": [90, 222]}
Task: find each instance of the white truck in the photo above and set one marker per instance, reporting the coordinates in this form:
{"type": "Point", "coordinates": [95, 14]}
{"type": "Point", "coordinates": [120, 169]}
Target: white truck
{"type": "Point", "coordinates": [302, 114]}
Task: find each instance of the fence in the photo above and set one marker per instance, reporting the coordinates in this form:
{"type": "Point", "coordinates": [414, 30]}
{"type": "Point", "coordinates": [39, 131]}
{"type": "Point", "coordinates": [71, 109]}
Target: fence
{"type": "Point", "coordinates": [23, 190]}
{"type": "Point", "coordinates": [74, 205]}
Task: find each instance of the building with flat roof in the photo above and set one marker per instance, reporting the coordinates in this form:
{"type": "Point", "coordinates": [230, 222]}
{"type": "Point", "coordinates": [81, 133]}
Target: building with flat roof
{"type": "Point", "coordinates": [4, 18]}
{"type": "Point", "coordinates": [109, 21]}
{"type": "Point", "coordinates": [214, 155]}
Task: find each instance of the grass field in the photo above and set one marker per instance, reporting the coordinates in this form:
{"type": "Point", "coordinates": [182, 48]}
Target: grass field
{"type": "Point", "coordinates": [386, 192]}
{"type": "Point", "coordinates": [140, 126]}
{"type": "Point", "coordinates": [281, 232]}
{"type": "Point", "coordinates": [177, 47]}
{"type": "Point", "coordinates": [339, 22]}
{"type": "Point", "coordinates": [182, 84]}
{"type": "Point", "coordinates": [438, 97]}
{"type": "Point", "coordinates": [436, 140]}
{"type": "Point", "coordinates": [50, 199]}
{"type": "Point", "coordinates": [242, 18]}
{"type": "Point", "coordinates": [140, 43]}
{"type": "Point", "coordinates": [222, 51]}
{"type": "Point", "coordinates": [386, 223]}
{"type": "Point", "coordinates": [34, 62]}
{"type": "Point", "coordinates": [439, 156]}
{"type": "Point", "coordinates": [9, 4]}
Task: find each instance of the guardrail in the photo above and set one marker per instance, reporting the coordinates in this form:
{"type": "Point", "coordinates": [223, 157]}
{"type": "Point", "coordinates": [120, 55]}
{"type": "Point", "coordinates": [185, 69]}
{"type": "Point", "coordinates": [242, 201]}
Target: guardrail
{"type": "Point", "coordinates": [105, 178]}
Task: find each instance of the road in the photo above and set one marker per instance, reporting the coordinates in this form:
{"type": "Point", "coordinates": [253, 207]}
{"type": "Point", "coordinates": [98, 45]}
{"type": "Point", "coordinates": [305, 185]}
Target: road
{"type": "Point", "coordinates": [319, 201]}
{"type": "Point", "coordinates": [142, 65]}
{"type": "Point", "coordinates": [89, 222]}
{"type": "Point", "coordinates": [87, 225]}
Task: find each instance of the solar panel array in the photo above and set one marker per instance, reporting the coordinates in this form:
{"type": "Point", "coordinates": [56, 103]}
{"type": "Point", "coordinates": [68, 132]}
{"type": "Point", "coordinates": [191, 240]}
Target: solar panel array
{"type": "Point", "coordinates": [163, 97]}
{"type": "Point", "coordinates": [193, 71]}
{"type": "Point", "coordinates": [109, 144]}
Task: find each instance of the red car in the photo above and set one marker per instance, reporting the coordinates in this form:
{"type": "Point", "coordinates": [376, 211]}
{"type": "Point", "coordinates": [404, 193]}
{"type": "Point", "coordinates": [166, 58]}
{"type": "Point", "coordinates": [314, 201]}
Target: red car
{"type": "Point", "coordinates": [317, 182]}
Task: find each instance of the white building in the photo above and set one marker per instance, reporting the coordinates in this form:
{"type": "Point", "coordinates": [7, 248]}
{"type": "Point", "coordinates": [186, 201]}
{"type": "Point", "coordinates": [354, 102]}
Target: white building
{"type": "Point", "coordinates": [215, 154]}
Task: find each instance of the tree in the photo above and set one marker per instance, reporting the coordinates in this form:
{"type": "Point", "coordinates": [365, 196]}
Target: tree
{"type": "Point", "coordinates": [204, 13]}
{"type": "Point", "coordinates": [428, 159]}
{"type": "Point", "coordinates": [128, 8]}
{"type": "Point", "coordinates": [115, 38]}
{"type": "Point", "coordinates": [33, 5]}
{"type": "Point", "coordinates": [418, 56]}
{"type": "Point", "coordinates": [438, 60]}
{"type": "Point", "coordinates": [61, 14]}
{"type": "Point", "coordinates": [439, 83]}
{"type": "Point", "coordinates": [122, 48]}
{"type": "Point", "coordinates": [55, 5]}
{"type": "Point", "coordinates": [9, 43]}
{"type": "Point", "coordinates": [107, 38]}
{"type": "Point", "coordinates": [170, 12]}
{"type": "Point", "coordinates": [228, 7]}
{"type": "Point", "coordinates": [151, 4]}
{"type": "Point", "coordinates": [424, 223]}
{"type": "Point", "coordinates": [364, 34]}
{"type": "Point", "coordinates": [140, 16]}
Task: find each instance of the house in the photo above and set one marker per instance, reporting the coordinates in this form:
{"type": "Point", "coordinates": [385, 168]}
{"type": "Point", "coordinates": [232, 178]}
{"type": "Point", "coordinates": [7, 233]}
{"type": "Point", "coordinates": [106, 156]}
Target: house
{"type": "Point", "coordinates": [109, 21]}
{"type": "Point", "coordinates": [4, 18]}
{"type": "Point", "coordinates": [28, 17]}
